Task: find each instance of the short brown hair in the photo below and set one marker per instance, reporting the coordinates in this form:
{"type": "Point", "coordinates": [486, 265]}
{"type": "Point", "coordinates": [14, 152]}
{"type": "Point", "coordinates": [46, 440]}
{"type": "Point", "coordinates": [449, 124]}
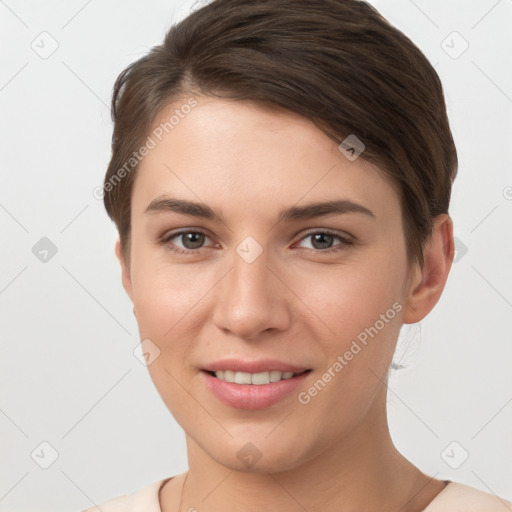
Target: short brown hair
{"type": "Point", "coordinates": [339, 63]}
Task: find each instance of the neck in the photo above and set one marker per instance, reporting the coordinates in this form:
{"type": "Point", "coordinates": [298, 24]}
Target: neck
{"type": "Point", "coordinates": [362, 471]}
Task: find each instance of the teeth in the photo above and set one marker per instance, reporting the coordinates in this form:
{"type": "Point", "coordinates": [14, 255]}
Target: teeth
{"type": "Point", "coordinates": [253, 378]}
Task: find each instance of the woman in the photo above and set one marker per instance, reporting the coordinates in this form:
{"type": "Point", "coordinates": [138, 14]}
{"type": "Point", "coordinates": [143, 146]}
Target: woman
{"type": "Point", "coordinates": [280, 179]}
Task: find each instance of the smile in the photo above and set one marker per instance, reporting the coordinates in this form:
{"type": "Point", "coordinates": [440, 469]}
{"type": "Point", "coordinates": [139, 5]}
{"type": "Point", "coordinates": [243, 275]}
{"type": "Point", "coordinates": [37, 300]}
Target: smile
{"type": "Point", "coordinates": [257, 379]}
{"type": "Point", "coordinates": [253, 390]}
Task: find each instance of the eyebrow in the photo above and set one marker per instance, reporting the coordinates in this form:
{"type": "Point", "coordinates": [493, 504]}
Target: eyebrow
{"type": "Point", "coordinates": [308, 211]}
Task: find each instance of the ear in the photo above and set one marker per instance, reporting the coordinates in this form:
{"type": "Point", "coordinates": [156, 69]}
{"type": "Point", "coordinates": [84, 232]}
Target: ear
{"type": "Point", "coordinates": [125, 270]}
{"type": "Point", "coordinates": [428, 282]}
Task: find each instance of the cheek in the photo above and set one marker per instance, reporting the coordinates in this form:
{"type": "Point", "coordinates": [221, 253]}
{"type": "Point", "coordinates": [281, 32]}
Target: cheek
{"type": "Point", "coordinates": [360, 311]}
{"type": "Point", "coordinates": [350, 298]}
{"type": "Point", "coordinates": [165, 298]}
{"type": "Point", "coordinates": [162, 293]}
{"type": "Point", "coordinates": [167, 302]}
{"type": "Point", "coordinates": [171, 306]}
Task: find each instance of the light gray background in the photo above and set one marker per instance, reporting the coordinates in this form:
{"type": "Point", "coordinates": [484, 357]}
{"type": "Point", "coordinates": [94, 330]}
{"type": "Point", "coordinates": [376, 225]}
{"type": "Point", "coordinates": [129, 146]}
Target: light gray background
{"type": "Point", "coordinates": [68, 374]}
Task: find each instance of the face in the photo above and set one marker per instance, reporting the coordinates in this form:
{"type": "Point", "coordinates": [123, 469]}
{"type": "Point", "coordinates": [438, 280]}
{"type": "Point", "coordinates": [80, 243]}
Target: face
{"type": "Point", "coordinates": [254, 272]}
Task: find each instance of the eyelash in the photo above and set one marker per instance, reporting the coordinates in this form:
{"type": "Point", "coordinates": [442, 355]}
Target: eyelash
{"type": "Point", "coordinates": [188, 252]}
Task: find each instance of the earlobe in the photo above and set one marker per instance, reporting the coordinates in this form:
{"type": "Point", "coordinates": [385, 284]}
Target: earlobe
{"type": "Point", "coordinates": [125, 270]}
{"type": "Point", "coordinates": [428, 284]}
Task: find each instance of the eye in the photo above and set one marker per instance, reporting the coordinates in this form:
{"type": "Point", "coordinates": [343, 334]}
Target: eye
{"type": "Point", "coordinates": [191, 241]}
{"type": "Point", "coordinates": [322, 241]}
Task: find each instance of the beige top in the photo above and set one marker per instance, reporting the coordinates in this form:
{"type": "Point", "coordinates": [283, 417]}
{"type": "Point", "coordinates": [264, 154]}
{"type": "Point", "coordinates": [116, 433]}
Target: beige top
{"type": "Point", "coordinates": [454, 497]}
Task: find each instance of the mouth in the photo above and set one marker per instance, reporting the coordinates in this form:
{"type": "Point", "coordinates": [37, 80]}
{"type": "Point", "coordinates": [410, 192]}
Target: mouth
{"type": "Point", "coordinates": [251, 391]}
{"type": "Point", "coordinates": [257, 379]}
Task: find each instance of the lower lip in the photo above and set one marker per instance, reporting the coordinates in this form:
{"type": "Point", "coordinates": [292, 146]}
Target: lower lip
{"type": "Point", "coordinates": [252, 396]}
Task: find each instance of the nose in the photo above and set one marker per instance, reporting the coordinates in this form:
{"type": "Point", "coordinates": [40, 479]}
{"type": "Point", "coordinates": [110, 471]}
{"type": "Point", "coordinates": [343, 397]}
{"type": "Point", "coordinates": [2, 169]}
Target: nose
{"type": "Point", "coordinates": [252, 298]}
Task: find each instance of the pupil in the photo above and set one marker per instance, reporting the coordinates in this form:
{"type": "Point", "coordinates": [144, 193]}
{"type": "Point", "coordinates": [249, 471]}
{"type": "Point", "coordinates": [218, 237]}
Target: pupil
{"type": "Point", "coordinates": [321, 236]}
{"type": "Point", "coordinates": [193, 240]}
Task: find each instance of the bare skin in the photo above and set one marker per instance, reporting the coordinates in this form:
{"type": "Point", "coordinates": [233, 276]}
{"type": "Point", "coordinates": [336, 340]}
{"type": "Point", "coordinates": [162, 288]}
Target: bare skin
{"type": "Point", "coordinates": [295, 302]}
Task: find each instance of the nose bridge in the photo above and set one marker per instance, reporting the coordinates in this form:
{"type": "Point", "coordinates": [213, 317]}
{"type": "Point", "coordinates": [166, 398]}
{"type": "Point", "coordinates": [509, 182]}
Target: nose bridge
{"type": "Point", "coordinates": [250, 261]}
{"type": "Point", "coordinates": [250, 299]}
{"type": "Point", "coordinates": [249, 286]}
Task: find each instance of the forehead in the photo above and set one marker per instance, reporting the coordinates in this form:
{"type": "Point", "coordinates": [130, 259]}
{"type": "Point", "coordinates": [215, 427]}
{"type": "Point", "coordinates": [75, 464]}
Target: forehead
{"type": "Point", "coordinates": [252, 156]}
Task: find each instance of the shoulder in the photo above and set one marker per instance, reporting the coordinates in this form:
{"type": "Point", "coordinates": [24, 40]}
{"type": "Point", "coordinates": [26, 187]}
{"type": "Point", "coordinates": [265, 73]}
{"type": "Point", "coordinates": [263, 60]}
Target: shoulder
{"type": "Point", "coordinates": [144, 498]}
{"type": "Point", "coordinates": [457, 497]}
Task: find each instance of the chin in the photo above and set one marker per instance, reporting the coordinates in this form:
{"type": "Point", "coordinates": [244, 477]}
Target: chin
{"type": "Point", "coordinates": [257, 454]}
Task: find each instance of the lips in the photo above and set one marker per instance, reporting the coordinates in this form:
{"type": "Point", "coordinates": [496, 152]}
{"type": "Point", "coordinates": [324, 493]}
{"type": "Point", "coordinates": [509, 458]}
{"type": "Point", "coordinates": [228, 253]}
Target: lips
{"type": "Point", "coordinates": [253, 384]}
{"type": "Point", "coordinates": [251, 396]}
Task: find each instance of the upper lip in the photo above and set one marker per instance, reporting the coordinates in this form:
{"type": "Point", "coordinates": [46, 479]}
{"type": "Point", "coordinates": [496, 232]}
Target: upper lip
{"type": "Point", "coordinates": [261, 365]}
